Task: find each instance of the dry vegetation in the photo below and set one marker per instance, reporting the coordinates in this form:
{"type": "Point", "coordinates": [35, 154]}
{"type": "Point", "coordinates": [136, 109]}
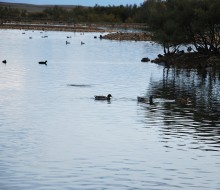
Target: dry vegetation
{"type": "Point", "coordinates": [30, 8]}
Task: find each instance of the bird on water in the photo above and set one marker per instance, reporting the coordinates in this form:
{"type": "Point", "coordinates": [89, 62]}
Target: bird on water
{"type": "Point", "coordinates": [108, 97]}
{"type": "Point", "coordinates": [43, 62]}
{"type": "Point", "coordinates": [184, 101]}
{"type": "Point", "coordinates": [145, 100]}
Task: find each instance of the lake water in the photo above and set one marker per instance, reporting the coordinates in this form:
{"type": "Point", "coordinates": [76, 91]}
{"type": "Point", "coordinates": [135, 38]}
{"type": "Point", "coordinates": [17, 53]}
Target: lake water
{"type": "Point", "coordinates": [54, 135]}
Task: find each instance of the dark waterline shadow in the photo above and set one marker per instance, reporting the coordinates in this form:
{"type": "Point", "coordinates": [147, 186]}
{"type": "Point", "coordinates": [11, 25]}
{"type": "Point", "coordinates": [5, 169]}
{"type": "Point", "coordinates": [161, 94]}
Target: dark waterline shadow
{"type": "Point", "coordinates": [81, 85]}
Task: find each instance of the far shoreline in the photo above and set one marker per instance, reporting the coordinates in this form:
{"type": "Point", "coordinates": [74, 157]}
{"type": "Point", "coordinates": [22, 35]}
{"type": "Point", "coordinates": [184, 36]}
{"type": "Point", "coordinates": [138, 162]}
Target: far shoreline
{"type": "Point", "coordinates": [72, 27]}
{"type": "Point", "coordinates": [51, 27]}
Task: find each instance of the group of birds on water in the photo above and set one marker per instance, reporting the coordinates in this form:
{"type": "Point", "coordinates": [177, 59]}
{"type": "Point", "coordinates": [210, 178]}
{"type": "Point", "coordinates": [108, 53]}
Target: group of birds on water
{"type": "Point", "coordinates": [40, 62]}
{"type": "Point", "coordinates": [142, 99]}
{"type": "Point", "coordinates": [109, 96]}
{"type": "Point", "coordinates": [45, 62]}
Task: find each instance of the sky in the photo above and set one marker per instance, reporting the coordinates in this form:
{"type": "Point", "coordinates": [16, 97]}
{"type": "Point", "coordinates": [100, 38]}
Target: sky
{"type": "Point", "coordinates": [78, 2]}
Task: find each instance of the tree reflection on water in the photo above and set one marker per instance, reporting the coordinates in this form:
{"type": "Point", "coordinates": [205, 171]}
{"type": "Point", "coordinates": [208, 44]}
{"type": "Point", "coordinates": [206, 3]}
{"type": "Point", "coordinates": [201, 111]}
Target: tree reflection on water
{"type": "Point", "coordinates": [201, 87]}
{"type": "Point", "coordinates": [200, 117]}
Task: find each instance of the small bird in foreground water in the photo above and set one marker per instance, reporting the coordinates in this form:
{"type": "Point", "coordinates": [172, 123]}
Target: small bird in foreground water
{"type": "Point", "coordinates": [145, 100]}
{"type": "Point", "coordinates": [183, 100]}
{"type": "Point", "coordinates": [103, 97]}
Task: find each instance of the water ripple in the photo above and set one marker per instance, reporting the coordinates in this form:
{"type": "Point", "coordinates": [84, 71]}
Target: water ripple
{"type": "Point", "coordinates": [53, 135]}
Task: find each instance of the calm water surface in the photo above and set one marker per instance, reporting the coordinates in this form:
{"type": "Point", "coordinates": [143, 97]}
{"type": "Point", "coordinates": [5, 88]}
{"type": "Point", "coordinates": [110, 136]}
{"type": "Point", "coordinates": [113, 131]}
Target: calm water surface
{"type": "Point", "coordinates": [54, 135]}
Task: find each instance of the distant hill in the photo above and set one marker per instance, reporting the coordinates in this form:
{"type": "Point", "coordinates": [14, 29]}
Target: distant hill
{"type": "Point", "coordinates": [33, 8]}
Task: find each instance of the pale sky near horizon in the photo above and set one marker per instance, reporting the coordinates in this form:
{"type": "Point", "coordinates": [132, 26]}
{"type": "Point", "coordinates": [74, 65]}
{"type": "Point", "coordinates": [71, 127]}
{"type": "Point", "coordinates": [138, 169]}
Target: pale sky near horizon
{"type": "Point", "coordinates": [78, 2]}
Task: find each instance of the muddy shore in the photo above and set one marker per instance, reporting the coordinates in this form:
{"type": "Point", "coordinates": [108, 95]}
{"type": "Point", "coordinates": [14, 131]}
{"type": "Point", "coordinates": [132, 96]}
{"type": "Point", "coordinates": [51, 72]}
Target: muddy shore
{"type": "Point", "coordinates": [48, 27]}
{"type": "Point", "coordinates": [192, 60]}
{"type": "Point", "coordinates": [140, 36]}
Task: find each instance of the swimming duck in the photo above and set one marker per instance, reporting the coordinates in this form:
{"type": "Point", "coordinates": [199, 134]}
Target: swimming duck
{"type": "Point", "coordinates": [184, 100]}
{"type": "Point", "coordinates": [145, 100]}
{"type": "Point", "coordinates": [4, 61]}
{"type": "Point", "coordinates": [82, 43]}
{"type": "Point", "coordinates": [43, 62]}
{"type": "Point", "coordinates": [103, 97]}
